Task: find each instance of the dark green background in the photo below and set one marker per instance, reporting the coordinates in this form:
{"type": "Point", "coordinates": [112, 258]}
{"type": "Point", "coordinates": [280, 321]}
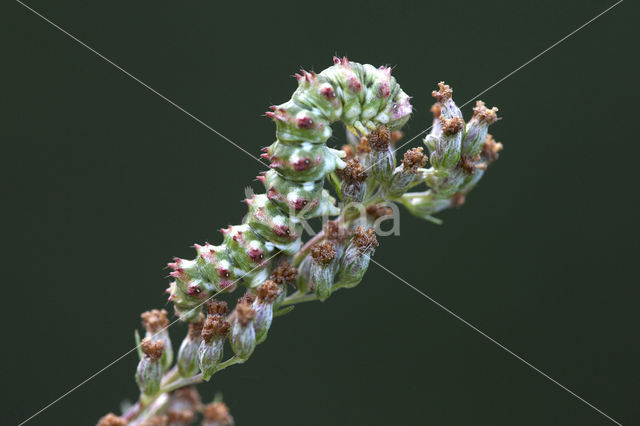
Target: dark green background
{"type": "Point", "coordinates": [103, 182]}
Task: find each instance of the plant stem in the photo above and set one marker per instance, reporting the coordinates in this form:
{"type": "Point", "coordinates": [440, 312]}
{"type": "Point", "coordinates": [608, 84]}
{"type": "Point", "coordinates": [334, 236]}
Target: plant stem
{"type": "Point", "coordinates": [299, 256]}
{"type": "Point", "coordinates": [298, 298]}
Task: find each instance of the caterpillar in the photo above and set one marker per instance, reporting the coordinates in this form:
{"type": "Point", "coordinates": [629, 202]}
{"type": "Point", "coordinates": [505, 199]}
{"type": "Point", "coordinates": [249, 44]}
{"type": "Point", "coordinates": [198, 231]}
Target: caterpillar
{"type": "Point", "coordinates": [363, 98]}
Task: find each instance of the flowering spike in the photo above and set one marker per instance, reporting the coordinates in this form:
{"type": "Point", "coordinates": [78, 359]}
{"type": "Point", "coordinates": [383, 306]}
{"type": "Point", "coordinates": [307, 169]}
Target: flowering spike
{"type": "Point", "coordinates": [373, 108]}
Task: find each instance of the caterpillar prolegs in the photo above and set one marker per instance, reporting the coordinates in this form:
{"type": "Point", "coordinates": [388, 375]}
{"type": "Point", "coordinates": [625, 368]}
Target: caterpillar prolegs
{"type": "Point", "coordinates": [362, 97]}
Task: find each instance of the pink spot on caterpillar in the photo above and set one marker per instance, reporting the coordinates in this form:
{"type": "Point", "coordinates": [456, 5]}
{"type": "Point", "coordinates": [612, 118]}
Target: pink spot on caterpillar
{"type": "Point", "coordinates": [354, 84]}
{"type": "Point", "coordinates": [302, 164]}
{"type": "Point", "coordinates": [305, 122]}
{"type": "Point", "coordinates": [328, 92]}
{"type": "Point", "coordinates": [300, 203]}
{"type": "Point", "coordinates": [255, 254]}
{"type": "Point", "coordinates": [224, 272]}
{"type": "Point", "coordinates": [272, 193]}
{"type": "Point", "coordinates": [383, 89]}
{"type": "Point", "coordinates": [194, 289]}
{"type": "Point", "coordinates": [281, 230]}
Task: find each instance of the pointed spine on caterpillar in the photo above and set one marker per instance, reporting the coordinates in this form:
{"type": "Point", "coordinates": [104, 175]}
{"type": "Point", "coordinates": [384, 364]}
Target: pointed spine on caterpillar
{"type": "Point", "coordinates": [364, 98]}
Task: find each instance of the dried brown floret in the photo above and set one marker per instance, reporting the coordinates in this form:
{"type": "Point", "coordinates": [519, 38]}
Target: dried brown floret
{"type": "Point", "coordinates": [353, 172]}
{"type": "Point", "coordinates": [217, 307]}
{"type": "Point", "coordinates": [396, 135]}
{"type": "Point", "coordinates": [490, 149]}
{"type": "Point", "coordinates": [458, 199]}
{"type": "Point", "coordinates": [181, 417]}
{"type": "Point", "coordinates": [466, 163]}
{"type": "Point", "coordinates": [323, 252]}
{"type": "Point", "coordinates": [365, 239]}
{"type": "Point", "coordinates": [379, 138]}
{"type": "Point", "coordinates": [335, 232]}
{"type": "Point", "coordinates": [215, 326]}
{"type": "Point", "coordinates": [436, 110]}
{"type": "Point", "coordinates": [218, 412]}
{"type": "Point", "coordinates": [377, 211]}
{"type": "Point", "coordinates": [156, 421]}
{"type": "Point", "coordinates": [451, 126]}
{"type": "Point", "coordinates": [268, 291]}
{"type": "Point", "coordinates": [245, 313]}
{"type": "Point", "coordinates": [443, 93]}
{"type": "Point", "coordinates": [348, 149]}
{"type": "Point", "coordinates": [155, 320]}
{"type": "Point", "coordinates": [187, 396]}
{"type": "Point", "coordinates": [484, 114]}
{"type": "Point", "coordinates": [112, 420]}
{"type": "Point", "coordinates": [248, 298]}
{"type": "Point", "coordinates": [284, 273]}
{"type": "Point", "coordinates": [152, 349]}
{"type": "Point", "coordinates": [364, 147]}
{"type": "Point", "coordinates": [195, 328]}
{"type": "Point", "coordinates": [413, 160]}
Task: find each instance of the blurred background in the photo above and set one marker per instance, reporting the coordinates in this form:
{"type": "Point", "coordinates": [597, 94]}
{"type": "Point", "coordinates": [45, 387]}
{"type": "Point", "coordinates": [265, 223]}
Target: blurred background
{"type": "Point", "coordinates": [103, 182]}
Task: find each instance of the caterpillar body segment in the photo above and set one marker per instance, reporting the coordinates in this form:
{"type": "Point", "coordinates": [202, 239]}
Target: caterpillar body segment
{"type": "Point", "coordinates": [363, 97]}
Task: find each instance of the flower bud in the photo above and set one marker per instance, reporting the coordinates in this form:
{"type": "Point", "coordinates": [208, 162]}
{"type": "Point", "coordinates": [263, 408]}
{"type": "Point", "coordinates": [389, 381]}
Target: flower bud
{"type": "Point", "coordinates": [322, 269]}
{"type": "Point", "coordinates": [211, 348]}
{"type": "Point", "coordinates": [149, 371]}
{"type": "Point", "coordinates": [407, 173]}
{"type": "Point", "coordinates": [268, 292]}
{"type": "Point", "coordinates": [476, 131]}
{"type": "Point", "coordinates": [337, 235]}
{"type": "Point", "coordinates": [188, 352]}
{"type": "Point", "coordinates": [243, 335]}
{"type": "Point", "coordinates": [381, 157]}
{"type": "Point", "coordinates": [156, 324]}
{"type": "Point", "coordinates": [304, 275]}
{"type": "Point", "coordinates": [353, 182]}
{"type": "Point", "coordinates": [356, 257]}
{"type": "Point", "coordinates": [217, 414]}
{"type": "Point", "coordinates": [444, 141]}
{"type": "Point", "coordinates": [183, 405]}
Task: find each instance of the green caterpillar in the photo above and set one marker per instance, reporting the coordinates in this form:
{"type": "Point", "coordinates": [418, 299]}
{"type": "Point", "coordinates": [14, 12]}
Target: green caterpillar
{"type": "Point", "coordinates": [363, 97]}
